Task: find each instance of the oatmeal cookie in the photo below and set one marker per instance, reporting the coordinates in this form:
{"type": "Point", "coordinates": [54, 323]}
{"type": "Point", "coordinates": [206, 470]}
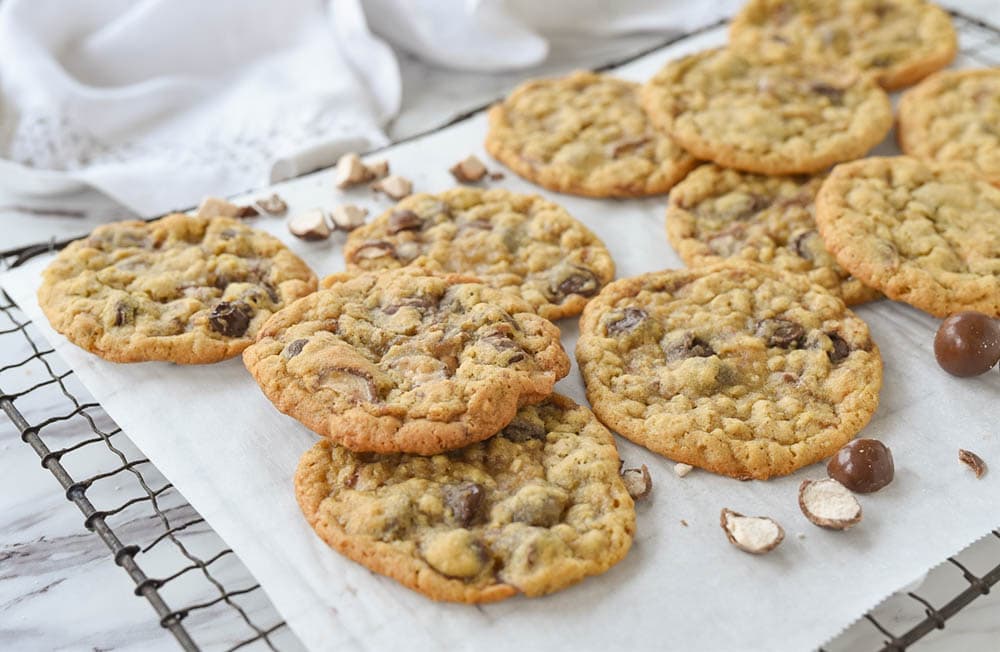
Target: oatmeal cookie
{"type": "Point", "coordinates": [523, 244]}
{"type": "Point", "coordinates": [954, 115]}
{"type": "Point", "coordinates": [898, 41]}
{"type": "Point", "coordinates": [717, 213]}
{"type": "Point", "coordinates": [532, 510]}
{"type": "Point", "coordinates": [405, 361]}
{"type": "Point", "coordinates": [921, 232]}
{"type": "Point", "coordinates": [771, 118]}
{"type": "Point", "coordinates": [183, 289]}
{"type": "Point", "coordinates": [737, 368]}
{"type": "Point", "coordinates": [584, 134]}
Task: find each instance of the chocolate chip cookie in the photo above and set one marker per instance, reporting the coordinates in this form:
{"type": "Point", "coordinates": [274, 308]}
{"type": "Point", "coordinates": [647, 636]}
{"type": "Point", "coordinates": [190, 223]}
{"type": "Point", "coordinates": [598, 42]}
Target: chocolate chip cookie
{"type": "Point", "coordinates": [954, 116]}
{"type": "Point", "coordinates": [921, 232]}
{"type": "Point", "coordinates": [771, 118]}
{"type": "Point", "coordinates": [717, 213]}
{"type": "Point", "coordinates": [737, 368]}
{"type": "Point", "coordinates": [532, 510]}
{"type": "Point", "coordinates": [405, 361]}
{"type": "Point", "coordinates": [182, 289]}
{"type": "Point", "coordinates": [898, 41]}
{"type": "Point", "coordinates": [584, 134]}
{"type": "Point", "coordinates": [523, 244]}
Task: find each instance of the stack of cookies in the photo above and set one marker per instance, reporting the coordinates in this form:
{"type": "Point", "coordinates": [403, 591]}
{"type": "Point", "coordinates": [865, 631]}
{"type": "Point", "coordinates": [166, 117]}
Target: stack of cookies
{"type": "Point", "coordinates": [447, 462]}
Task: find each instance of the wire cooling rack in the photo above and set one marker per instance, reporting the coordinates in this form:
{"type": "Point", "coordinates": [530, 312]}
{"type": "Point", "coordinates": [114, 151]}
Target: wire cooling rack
{"type": "Point", "coordinates": [122, 492]}
{"type": "Point", "coordinates": [195, 584]}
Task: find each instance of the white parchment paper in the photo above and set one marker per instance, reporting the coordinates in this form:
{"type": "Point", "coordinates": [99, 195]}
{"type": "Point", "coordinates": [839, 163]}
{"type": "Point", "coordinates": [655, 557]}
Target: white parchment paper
{"type": "Point", "coordinates": [214, 435]}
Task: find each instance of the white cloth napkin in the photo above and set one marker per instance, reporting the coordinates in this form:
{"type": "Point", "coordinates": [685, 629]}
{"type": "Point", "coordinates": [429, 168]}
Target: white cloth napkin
{"type": "Point", "coordinates": [159, 102]}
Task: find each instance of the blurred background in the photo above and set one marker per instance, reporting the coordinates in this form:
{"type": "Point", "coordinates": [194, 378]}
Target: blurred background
{"type": "Point", "coordinates": [119, 108]}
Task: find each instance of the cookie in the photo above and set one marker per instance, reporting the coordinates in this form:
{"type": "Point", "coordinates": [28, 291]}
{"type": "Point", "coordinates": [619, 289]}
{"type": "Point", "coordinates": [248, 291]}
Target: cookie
{"type": "Point", "coordinates": [737, 368]}
{"type": "Point", "coordinates": [584, 134]}
{"type": "Point", "coordinates": [532, 510]}
{"type": "Point", "coordinates": [770, 118]}
{"type": "Point", "coordinates": [407, 362]}
{"type": "Point", "coordinates": [183, 289]}
{"type": "Point", "coordinates": [522, 243]}
{"type": "Point", "coordinates": [921, 232]}
{"type": "Point", "coordinates": [954, 116]}
{"type": "Point", "coordinates": [717, 213]}
{"type": "Point", "coordinates": [899, 42]}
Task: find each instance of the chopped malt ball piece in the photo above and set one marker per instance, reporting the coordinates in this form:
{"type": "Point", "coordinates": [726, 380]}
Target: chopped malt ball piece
{"type": "Point", "coordinates": [972, 461]}
{"type": "Point", "coordinates": [638, 482]}
{"type": "Point", "coordinates": [469, 170]}
{"type": "Point", "coordinates": [348, 217]}
{"type": "Point", "coordinates": [218, 207]}
{"type": "Point", "coordinates": [681, 469]}
{"type": "Point", "coordinates": [273, 205]}
{"type": "Point", "coordinates": [310, 225]}
{"type": "Point", "coordinates": [394, 186]}
{"type": "Point", "coordinates": [829, 504]}
{"type": "Point", "coordinates": [753, 534]}
{"type": "Point", "coordinates": [351, 171]}
{"type": "Point", "coordinates": [378, 169]}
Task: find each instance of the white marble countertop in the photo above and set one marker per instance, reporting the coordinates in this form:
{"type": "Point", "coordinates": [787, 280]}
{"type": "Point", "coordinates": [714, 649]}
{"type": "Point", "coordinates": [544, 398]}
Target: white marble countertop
{"type": "Point", "coordinates": [59, 587]}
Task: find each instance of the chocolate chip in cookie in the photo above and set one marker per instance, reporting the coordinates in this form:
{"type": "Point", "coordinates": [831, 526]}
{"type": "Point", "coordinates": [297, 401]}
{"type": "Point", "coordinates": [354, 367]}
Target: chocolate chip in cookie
{"type": "Point", "coordinates": [840, 348]}
{"type": "Point", "coordinates": [783, 333]}
{"type": "Point", "coordinates": [295, 347]}
{"type": "Point", "coordinates": [124, 313]}
{"type": "Point", "coordinates": [230, 318]}
{"type": "Point", "coordinates": [465, 501]}
{"type": "Point", "coordinates": [689, 346]}
{"type": "Point", "coordinates": [521, 430]}
{"type": "Point", "coordinates": [572, 279]}
{"type": "Point", "coordinates": [630, 319]}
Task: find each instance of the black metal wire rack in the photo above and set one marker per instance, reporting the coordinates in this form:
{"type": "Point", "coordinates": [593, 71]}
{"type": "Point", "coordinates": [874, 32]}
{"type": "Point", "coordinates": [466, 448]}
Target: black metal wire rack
{"type": "Point", "coordinates": [183, 569]}
{"type": "Point", "coordinates": [75, 433]}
